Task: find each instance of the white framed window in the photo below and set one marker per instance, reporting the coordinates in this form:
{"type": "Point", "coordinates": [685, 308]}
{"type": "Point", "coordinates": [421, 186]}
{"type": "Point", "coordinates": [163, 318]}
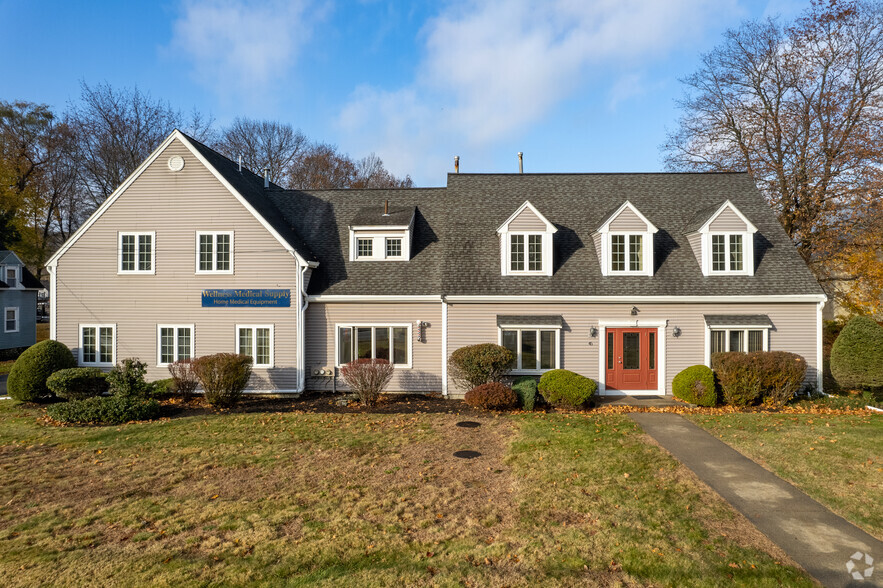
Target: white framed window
{"type": "Point", "coordinates": [738, 339]}
{"type": "Point", "coordinates": [136, 253]}
{"type": "Point", "coordinates": [98, 345]}
{"type": "Point", "coordinates": [627, 253]}
{"type": "Point", "coordinates": [173, 343]}
{"type": "Point", "coordinates": [536, 349]}
{"type": "Point", "coordinates": [10, 319]}
{"type": "Point", "coordinates": [727, 252]}
{"type": "Point", "coordinates": [391, 342]}
{"type": "Point", "coordinates": [11, 277]}
{"type": "Point", "coordinates": [256, 341]}
{"type": "Point", "coordinates": [214, 252]}
{"type": "Point", "coordinates": [393, 247]}
{"type": "Point", "coordinates": [365, 247]}
{"type": "Point", "coordinates": [526, 253]}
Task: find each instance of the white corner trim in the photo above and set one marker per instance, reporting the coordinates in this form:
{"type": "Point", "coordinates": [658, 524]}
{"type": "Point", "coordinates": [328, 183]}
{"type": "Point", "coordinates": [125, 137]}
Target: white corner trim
{"type": "Point", "coordinates": [444, 350]}
{"type": "Point", "coordinates": [604, 228]}
{"type": "Point", "coordinates": [706, 228]}
{"type": "Point", "coordinates": [820, 357]}
{"type": "Point", "coordinates": [53, 301]}
{"type": "Point", "coordinates": [550, 228]}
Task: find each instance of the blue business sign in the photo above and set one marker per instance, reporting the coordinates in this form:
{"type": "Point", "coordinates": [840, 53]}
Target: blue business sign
{"type": "Point", "coordinates": [262, 298]}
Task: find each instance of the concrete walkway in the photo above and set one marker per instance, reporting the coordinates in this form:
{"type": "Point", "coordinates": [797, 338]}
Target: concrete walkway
{"type": "Point", "coordinates": [814, 537]}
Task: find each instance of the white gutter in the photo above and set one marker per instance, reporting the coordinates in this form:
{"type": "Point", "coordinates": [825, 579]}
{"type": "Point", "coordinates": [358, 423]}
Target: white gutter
{"type": "Point", "coordinates": [372, 298]}
{"type": "Point", "coordinates": [645, 299]}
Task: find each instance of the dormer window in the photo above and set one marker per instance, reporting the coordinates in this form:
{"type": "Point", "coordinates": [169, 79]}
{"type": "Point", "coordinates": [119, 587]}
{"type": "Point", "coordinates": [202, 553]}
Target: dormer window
{"type": "Point", "coordinates": [526, 243]}
{"type": "Point", "coordinates": [11, 277]}
{"type": "Point", "coordinates": [625, 243]}
{"type": "Point", "coordinates": [722, 239]}
{"type": "Point", "coordinates": [382, 233]}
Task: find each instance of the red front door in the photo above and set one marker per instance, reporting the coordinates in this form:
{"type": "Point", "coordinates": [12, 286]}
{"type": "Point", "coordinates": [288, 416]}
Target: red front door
{"type": "Point", "coordinates": [631, 359]}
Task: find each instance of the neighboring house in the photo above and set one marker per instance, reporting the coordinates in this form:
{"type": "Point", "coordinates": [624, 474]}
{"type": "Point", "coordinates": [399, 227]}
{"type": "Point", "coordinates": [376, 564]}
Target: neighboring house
{"type": "Point", "coordinates": [624, 278]}
{"type": "Point", "coordinates": [18, 302]}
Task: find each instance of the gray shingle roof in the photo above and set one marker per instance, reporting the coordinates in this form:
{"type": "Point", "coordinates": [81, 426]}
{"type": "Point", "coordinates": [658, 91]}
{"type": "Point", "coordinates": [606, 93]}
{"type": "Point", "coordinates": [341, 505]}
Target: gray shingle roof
{"type": "Point", "coordinates": [455, 248]}
{"type": "Point", "coordinates": [738, 320]}
{"type": "Point", "coordinates": [373, 216]}
{"type": "Point", "coordinates": [251, 187]}
{"type": "Point", "coordinates": [513, 320]}
{"type": "Point", "coordinates": [700, 218]}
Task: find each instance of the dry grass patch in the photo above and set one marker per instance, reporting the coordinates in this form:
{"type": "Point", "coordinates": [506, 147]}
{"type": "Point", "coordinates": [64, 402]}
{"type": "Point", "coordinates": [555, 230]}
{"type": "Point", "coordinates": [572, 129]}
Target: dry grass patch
{"type": "Point", "coordinates": [360, 499]}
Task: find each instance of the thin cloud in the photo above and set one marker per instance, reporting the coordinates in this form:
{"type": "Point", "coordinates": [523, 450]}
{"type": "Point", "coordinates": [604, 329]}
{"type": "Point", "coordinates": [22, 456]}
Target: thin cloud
{"type": "Point", "coordinates": [492, 69]}
{"type": "Point", "coordinates": [243, 49]}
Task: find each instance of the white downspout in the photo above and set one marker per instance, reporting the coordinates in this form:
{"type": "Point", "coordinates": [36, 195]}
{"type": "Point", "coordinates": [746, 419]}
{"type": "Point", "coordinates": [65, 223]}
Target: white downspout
{"type": "Point", "coordinates": [444, 347]}
{"type": "Point", "coordinates": [301, 307]}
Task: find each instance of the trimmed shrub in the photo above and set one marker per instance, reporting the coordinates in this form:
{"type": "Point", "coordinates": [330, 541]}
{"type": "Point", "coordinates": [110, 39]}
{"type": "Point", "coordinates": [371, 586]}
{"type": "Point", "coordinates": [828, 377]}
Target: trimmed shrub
{"type": "Point", "coordinates": [367, 378]}
{"type": "Point", "coordinates": [857, 355]}
{"type": "Point", "coordinates": [223, 377]}
{"type": "Point", "coordinates": [566, 388]}
{"type": "Point", "coordinates": [106, 410]}
{"type": "Point", "coordinates": [695, 385]}
{"type": "Point", "coordinates": [78, 383]}
{"type": "Point", "coordinates": [781, 375]}
{"type": "Point", "coordinates": [127, 379]}
{"type": "Point", "coordinates": [493, 396]}
{"type": "Point", "coordinates": [185, 380]}
{"type": "Point", "coordinates": [525, 388]}
{"type": "Point", "coordinates": [163, 387]}
{"type": "Point", "coordinates": [475, 365]}
{"type": "Point", "coordinates": [738, 377]}
{"type": "Point", "coordinates": [27, 378]}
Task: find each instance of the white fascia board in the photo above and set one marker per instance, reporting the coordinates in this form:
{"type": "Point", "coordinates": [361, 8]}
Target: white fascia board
{"type": "Point", "coordinates": [369, 298]}
{"type": "Point", "coordinates": [380, 227]}
{"type": "Point", "coordinates": [605, 228]}
{"type": "Point", "coordinates": [632, 299]}
{"type": "Point", "coordinates": [727, 204]}
{"type": "Point", "coordinates": [550, 228]}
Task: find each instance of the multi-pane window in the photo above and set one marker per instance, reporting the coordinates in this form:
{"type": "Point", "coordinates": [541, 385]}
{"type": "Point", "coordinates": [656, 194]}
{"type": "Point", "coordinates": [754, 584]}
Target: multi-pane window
{"type": "Point", "coordinates": [738, 340]}
{"type": "Point", "coordinates": [10, 324]}
{"type": "Point", "coordinates": [175, 343]}
{"type": "Point", "coordinates": [96, 344]}
{"type": "Point", "coordinates": [11, 277]}
{"type": "Point", "coordinates": [727, 253]}
{"type": "Point", "coordinates": [136, 253]}
{"type": "Point", "coordinates": [371, 342]}
{"type": "Point", "coordinates": [256, 341]}
{"type": "Point", "coordinates": [626, 253]}
{"type": "Point", "coordinates": [393, 247]}
{"type": "Point", "coordinates": [526, 253]}
{"type": "Point", "coordinates": [534, 349]}
{"type": "Point", "coordinates": [516, 252]}
{"type": "Point", "coordinates": [215, 252]}
{"type": "Point", "coordinates": [365, 248]}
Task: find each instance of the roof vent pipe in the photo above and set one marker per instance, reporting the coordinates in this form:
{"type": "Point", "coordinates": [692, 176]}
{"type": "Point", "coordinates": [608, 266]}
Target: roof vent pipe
{"type": "Point", "coordinates": [240, 164]}
{"type": "Point", "coordinates": [520, 162]}
{"type": "Point", "coordinates": [266, 177]}
{"type": "Point", "coordinates": [386, 208]}
{"type": "Point", "coordinates": [456, 164]}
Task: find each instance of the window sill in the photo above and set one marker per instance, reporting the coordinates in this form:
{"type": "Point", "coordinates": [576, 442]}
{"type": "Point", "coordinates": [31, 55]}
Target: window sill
{"type": "Point", "coordinates": [136, 273]}
{"type": "Point", "coordinates": [218, 272]}
{"type": "Point", "coordinates": [530, 372]}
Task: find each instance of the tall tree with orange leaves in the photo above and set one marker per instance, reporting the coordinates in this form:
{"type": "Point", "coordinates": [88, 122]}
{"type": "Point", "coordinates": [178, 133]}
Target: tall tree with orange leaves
{"type": "Point", "coordinates": [800, 107]}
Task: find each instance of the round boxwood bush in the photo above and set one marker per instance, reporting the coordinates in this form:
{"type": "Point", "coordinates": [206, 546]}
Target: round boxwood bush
{"type": "Point", "coordinates": [27, 379]}
{"type": "Point", "coordinates": [78, 383]}
{"type": "Point", "coordinates": [104, 410]}
{"type": "Point", "coordinates": [566, 388]}
{"type": "Point", "coordinates": [475, 365]}
{"type": "Point", "coordinates": [696, 386]}
{"type": "Point", "coordinates": [857, 354]}
{"type": "Point", "coordinates": [525, 388]}
{"type": "Point", "coordinates": [493, 395]}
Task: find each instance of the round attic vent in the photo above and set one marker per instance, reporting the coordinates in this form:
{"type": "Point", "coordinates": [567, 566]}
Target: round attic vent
{"type": "Point", "coordinates": [176, 163]}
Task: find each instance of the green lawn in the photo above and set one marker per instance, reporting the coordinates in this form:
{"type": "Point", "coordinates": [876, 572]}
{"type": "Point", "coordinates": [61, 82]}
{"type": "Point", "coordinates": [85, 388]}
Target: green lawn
{"type": "Point", "coordinates": [836, 459]}
{"type": "Point", "coordinates": [367, 500]}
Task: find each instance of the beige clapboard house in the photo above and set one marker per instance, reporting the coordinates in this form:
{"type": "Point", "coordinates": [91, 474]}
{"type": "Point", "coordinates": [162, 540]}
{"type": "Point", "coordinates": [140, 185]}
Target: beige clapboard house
{"type": "Point", "coordinates": [624, 278]}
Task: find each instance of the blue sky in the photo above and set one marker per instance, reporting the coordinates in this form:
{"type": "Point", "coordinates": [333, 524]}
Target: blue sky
{"type": "Point", "coordinates": [577, 85]}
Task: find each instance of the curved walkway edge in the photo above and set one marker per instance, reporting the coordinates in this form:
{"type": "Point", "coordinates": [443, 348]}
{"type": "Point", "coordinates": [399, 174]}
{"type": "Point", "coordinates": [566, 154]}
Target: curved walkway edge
{"type": "Point", "coordinates": [823, 543]}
